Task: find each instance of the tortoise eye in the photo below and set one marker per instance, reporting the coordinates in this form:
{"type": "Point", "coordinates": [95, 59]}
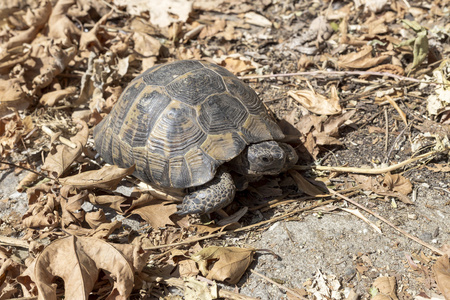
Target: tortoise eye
{"type": "Point", "coordinates": [265, 159]}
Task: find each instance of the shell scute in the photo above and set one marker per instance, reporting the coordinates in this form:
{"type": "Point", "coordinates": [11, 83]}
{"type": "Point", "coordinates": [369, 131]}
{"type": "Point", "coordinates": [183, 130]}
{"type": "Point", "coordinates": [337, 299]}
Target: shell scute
{"type": "Point", "coordinates": [162, 75]}
{"type": "Point", "coordinates": [194, 87]}
{"type": "Point", "coordinates": [222, 113]}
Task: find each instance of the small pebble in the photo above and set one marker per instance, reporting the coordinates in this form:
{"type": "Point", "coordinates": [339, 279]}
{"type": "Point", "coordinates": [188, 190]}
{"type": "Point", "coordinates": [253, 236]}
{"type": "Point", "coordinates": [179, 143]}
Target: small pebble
{"type": "Point", "coordinates": [412, 216]}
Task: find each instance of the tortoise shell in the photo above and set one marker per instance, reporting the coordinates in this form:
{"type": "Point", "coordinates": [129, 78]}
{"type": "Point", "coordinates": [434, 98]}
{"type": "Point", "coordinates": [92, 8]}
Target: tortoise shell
{"type": "Point", "coordinates": [178, 122]}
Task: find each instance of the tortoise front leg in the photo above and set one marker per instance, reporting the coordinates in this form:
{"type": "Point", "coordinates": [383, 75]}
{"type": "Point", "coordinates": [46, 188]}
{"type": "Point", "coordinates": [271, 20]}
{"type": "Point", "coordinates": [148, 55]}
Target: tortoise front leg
{"type": "Point", "coordinates": [214, 195]}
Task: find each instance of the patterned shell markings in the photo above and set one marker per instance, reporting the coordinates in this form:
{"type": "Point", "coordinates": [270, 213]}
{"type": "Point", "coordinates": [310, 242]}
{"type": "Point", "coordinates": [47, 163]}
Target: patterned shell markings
{"type": "Point", "coordinates": [179, 122]}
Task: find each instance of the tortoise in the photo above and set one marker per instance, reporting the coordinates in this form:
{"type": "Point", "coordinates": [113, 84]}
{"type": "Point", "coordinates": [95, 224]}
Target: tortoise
{"type": "Point", "coordinates": [192, 124]}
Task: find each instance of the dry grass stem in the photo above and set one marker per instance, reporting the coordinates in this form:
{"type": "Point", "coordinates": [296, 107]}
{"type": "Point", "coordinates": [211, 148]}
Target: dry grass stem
{"type": "Point", "coordinates": [282, 287]}
{"type": "Point", "coordinates": [367, 170]}
{"type": "Point", "coordinates": [431, 247]}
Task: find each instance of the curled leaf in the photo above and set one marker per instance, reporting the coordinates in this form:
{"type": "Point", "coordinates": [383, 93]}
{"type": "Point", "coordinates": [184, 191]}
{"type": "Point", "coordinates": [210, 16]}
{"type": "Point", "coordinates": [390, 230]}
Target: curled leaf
{"type": "Point", "coordinates": [224, 263]}
{"type": "Point", "coordinates": [397, 183]}
{"type": "Point", "coordinates": [317, 103]}
{"type": "Point", "coordinates": [441, 270]}
{"type": "Point", "coordinates": [50, 99]}
{"type": "Point", "coordinates": [78, 262]}
{"type": "Point", "coordinates": [107, 178]}
{"type": "Point", "coordinates": [62, 156]}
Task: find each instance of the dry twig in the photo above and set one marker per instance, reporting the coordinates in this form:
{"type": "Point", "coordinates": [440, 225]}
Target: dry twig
{"type": "Point", "coordinates": [282, 287]}
{"type": "Point", "coordinates": [431, 247]}
{"type": "Point", "coordinates": [343, 73]}
{"type": "Point", "coordinates": [369, 170]}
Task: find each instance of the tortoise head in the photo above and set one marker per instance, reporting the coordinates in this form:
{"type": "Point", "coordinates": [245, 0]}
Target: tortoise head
{"type": "Point", "coordinates": [270, 158]}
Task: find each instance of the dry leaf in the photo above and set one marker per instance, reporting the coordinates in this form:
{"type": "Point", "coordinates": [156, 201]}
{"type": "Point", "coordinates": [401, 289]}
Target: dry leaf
{"type": "Point", "coordinates": [78, 262]}
{"type": "Point", "coordinates": [445, 168]}
{"type": "Point", "coordinates": [36, 19]}
{"type": "Point", "coordinates": [395, 186]}
{"type": "Point", "coordinates": [106, 178]}
{"type": "Point", "coordinates": [61, 28]}
{"type": "Point", "coordinates": [440, 99]}
{"type": "Point", "coordinates": [148, 47]}
{"type": "Point", "coordinates": [95, 218]}
{"type": "Point", "coordinates": [199, 290]}
{"type": "Point", "coordinates": [10, 268]}
{"type": "Point", "coordinates": [256, 19]}
{"type": "Point", "coordinates": [446, 249]}
{"type": "Point", "coordinates": [376, 26]}
{"type": "Point", "coordinates": [361, 60]}
{"type": "Point", "coordinates": [42, 214]}
{"type": "Point", "coordinates": [402, 197]}
{"type": "Point", "coordinates": [374, 6]}
{"type": "Point", "coordinates": [154, 211]}
{"type": "Point", "coordinates": [51, 98]}
{"type": "Point", "coordinates": [115, 202]}
{"type": "Point", "coordinates": [224, 263]}
{"type": "Point", "coordinates": [304, 185]}
{"type": "Point", "coordinates": [211, 30]}
{"type": "Point", "coordinates": [12, 132]}
{"type": "Point", "coordinates": [62, 156]}
{"type": "Point", "coordinates": [333, 123]}
{"type": "Point", "coordinates": [187, 268]}
{"type": "Point", "coordinates": [441, 271]}
{"type": "Point", "coordinates": [9, 59]}
{"type": "Point", "coordinates": [237, 64]}
{"type": "Point", "coordinates": [89, 39]}
{"type": "Point", "coordinates": [386, 68]}
{"type": "Point", "coordinates": [36, 192]}
{"type": "Point", "coordinates": [47, 60]}
{"type": "Point", "coordinates": [104, 230]}
{"type": "Point", "coordinates": [162, 13]}
{"type": "Point", "coordinates": [207, 5]}
{"type": "Point", "coordinates": [324, 139]}
{"type": "Point", "coordinates": [209, 229]}
{"type": "Point", "coordinates": [121, 44]}
{"type": "Point", "coordinates": [13, 97]}
{"type": "Point", "coordinates": [317, 103]}
{"type": "Point", "coordinates": [27, 181]}
{"type": "Point", "coordinates": [71, 202]}
{"type": "Point", "coordinates": [386, 286]}
{"type": "Point", "coordinates": [397, 183]}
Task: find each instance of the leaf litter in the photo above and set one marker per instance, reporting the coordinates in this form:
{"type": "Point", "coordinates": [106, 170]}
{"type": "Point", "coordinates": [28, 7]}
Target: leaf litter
{"type": "Point", "coordinates": [63, 64]}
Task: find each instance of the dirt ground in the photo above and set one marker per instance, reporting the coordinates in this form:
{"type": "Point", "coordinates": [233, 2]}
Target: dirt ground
{"type": "Point", "coordinates": [361, 85]}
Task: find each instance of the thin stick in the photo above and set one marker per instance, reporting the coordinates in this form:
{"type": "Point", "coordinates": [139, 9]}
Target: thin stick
{"type": "Point", "coordinates": [27, 169]}
{"type": "Point", "coordinates": [9, 241]}
{"type": "Point", "coordinates": [398, 109]}
{"type": "Point", "coordinates": [386, 118]}
{"type": "Point", "coordinates": [282, 287]}
{"type": "Point", "coordinates": [277, 202]}
{"type": "Point", "coordinates": [396, 141]}
{"type": "Point", "coordinates": [367, 170]}
{"type": "Point", "coordinates": [417, 240]}
{"type": "Point", "coordinates": [63, 140]}
{"type": "Point", "coordinates": [407, 3]}
{"type": "Point", "coordinates": [314, 73]}
{"type": "Point", "coordinates": [214, 235]}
